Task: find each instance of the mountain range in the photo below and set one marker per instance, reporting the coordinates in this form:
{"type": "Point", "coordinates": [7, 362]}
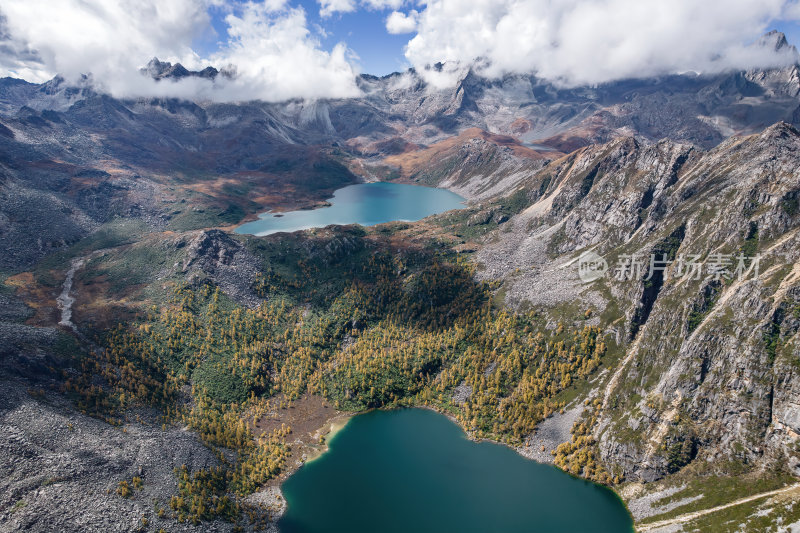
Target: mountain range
{"type": "Point", "coordinates": [701, 381]}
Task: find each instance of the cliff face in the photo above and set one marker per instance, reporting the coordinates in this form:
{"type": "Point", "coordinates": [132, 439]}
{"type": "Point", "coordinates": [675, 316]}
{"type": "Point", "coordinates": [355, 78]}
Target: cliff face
{"type": "Point", "coordinates": [714, 363]}
{"type": "Point", "coordinates": [710, 362]}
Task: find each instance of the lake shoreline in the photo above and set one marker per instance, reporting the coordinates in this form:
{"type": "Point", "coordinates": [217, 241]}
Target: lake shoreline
{"type": "Point", "coordinates": [271, 495]}
{"type": "Point", "coordinates": [299, 493]}
{"type": "Point", "coordinates": [314, 422]}
{"type": "Point", "coordinates": [365, 204]}
{"type": "Point", "coordinates": [523, 451]}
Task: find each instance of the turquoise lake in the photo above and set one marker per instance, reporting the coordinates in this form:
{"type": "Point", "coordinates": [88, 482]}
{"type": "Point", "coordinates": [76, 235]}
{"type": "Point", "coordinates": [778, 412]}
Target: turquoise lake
{"type": "Point", "coordinates": [366, 204]}
{"type": "Point", "coordinates": [415, 471]}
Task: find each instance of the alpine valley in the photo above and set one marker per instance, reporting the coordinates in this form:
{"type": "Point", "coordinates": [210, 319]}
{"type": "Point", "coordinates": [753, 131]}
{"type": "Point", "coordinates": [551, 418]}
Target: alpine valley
{"type": "Point", "coordinates": [159, 370]}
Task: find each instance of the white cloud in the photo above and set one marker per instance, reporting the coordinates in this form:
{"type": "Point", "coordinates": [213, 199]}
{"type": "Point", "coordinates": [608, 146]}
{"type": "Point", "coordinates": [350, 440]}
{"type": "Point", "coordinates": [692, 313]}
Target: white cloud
{"type": "Point", "coordinates": [276, 58]}
{"type": "Point", "coordinates": [792, 11]}
{"type": "Point", "coordinates": [383, 4]}
{"type": "Point", "coordinates": [269, 5]}
{"type": "Point", "coordinates": [108, 37]}
{"type": "Point", "coordinates": [397, 22]}
{"type": "Point", "coordinates": [330, 7]}
{"type": "Point", "coordinates": [273, 52]}
{"type": "Point", "coordinates": [590, 41]}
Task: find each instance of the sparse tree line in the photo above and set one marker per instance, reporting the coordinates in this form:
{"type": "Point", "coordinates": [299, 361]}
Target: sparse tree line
{"type": "Point", "coordinates": [395, 335]}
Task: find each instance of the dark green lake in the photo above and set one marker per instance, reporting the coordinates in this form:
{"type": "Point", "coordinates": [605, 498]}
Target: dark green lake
{"type": "Point", "coordinates": [366, 204]}
{"type": "Point", "coordinates": [414, 471]}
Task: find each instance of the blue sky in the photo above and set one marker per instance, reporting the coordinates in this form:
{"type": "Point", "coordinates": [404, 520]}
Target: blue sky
{"type": "Point", "coordinates": [364, 32]}
{"type": "Point", "coordinates": [791, 29]}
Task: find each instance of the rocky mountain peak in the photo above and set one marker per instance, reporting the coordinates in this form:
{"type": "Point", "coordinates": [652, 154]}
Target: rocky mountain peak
{"type": "Point", "coordinates": [780, 129]}
{"type": "Point", "coordinates": [215, 255]}
{"type": "Point", "coordinates": [159, 70]}
{"type": "Point", "coordinates": [776, 40]}
{"type": "Point", "coordinates": [775, 137]}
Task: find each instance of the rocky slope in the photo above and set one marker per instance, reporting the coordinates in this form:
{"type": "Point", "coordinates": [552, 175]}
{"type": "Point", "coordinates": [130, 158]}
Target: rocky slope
{"type": "Point", "coordinates": [710, 368]}
{"type": "Point", "coordinates": [60, 467]}
{"type": "Point", "coordinates": [62, 472]}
